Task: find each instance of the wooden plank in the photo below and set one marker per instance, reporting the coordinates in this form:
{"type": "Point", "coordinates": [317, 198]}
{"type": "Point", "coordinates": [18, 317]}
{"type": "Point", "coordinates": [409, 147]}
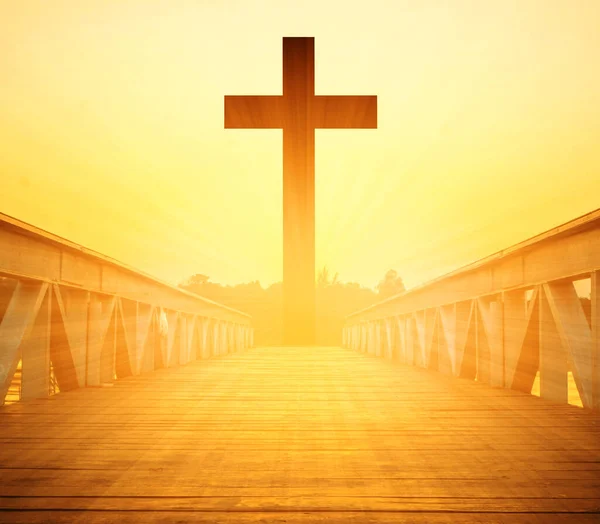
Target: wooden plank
{"type": "Point", "coordinates": [315, 432]}
{"type": "Point", "coordinates": [297, 517]}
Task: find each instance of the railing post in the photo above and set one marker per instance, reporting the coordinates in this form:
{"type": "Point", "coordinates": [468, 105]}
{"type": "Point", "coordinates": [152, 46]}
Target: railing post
{"type": "Point", "coordinates": [595, 321]}
{"type": "Point", "coordinates": [553, 356]}
{"type": "Point", "coordinates": [575, 334]}
{"type": "Point", "coordinates": [101, 351]}
{"type": "Point", "coordinates": [409, 335]}
{"type": "Point", "coordinates": [35, 354]}
{"type": "Point", "coordinates": [400, 352]}
{"type": "Point", "coordinates": [388, 348]}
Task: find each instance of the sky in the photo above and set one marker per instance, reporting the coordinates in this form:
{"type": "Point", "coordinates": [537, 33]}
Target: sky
{"type": "Point", "coordinates": [112, 133]}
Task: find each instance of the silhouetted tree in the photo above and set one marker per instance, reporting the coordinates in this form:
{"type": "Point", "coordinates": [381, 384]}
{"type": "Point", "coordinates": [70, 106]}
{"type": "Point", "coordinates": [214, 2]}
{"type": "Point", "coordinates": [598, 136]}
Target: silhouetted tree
{"type": "Point", "coordinates": [391, 285]}
{"type": "Point", "coordinates": [323, 278]}
{"type": "Point", "coordinates": [198, 280]}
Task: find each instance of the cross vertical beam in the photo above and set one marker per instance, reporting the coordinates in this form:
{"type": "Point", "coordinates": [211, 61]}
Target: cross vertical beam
{"type": "Point", "coordinates": [299, 294]}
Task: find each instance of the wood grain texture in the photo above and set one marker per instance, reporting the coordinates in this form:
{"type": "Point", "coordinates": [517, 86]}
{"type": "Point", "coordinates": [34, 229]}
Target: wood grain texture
{"type": "Point", "coordinates": [298, 435]}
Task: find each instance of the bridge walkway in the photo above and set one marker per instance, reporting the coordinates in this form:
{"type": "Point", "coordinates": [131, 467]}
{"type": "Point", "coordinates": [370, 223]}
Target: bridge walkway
{"type": "Point", "coordinates": [298, 435]}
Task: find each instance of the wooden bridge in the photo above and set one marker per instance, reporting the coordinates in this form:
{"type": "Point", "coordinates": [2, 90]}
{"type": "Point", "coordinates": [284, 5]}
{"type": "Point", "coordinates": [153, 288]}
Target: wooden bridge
{"type": "Point", "coordinates": [424, 416]}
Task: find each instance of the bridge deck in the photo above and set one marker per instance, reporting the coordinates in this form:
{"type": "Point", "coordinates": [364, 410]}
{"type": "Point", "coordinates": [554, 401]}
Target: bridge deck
{"type": "Point", "coordinates": [311, 435]}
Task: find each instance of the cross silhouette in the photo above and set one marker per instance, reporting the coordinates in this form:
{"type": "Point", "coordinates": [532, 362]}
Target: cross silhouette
{"type": "Point", "coordinates": [299, 112]}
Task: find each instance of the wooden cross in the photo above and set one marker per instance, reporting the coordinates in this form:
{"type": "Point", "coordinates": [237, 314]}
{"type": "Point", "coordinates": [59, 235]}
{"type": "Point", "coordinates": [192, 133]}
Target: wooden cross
{"type": "Point", "coordinates": [299, 112]}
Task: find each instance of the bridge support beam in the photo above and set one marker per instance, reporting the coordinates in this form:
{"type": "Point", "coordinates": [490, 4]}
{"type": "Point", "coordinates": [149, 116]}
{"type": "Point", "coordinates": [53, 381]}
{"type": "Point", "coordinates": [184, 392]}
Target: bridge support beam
{"type": "Point", "coordinates": [491, 310]}
{"type": "Point", "coordinates": [146, 338]}
{"type": "Point", "coordinates": [100, 354]}
{"type": "Point", "coordinates": [553, 361]}
{"type": "Point", "coordinates": [19, 324]}
{"type": "Point", "coordinates": [371, 338]}
{"type": "Point", "coordinates": [574, 334]}
{"type": "Point", "coordinates": [595, 325]}
{"type": "Point", "coordinates": [400, 347]}
{"type": "Point", "coordinates": [205, 337]}
{"type": "Point", "coordinates": [35, 354]}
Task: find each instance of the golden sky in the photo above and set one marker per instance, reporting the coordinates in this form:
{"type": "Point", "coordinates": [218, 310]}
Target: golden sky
{"type": "Point", "coordinates": [111, 129]}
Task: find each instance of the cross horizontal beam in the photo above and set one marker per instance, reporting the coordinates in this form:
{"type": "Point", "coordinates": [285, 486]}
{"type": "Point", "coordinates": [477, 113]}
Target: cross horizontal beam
{"type": "Point", "coordinates": [325, 112]}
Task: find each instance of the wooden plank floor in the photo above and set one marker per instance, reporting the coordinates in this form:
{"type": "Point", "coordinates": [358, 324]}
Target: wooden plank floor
{"type": "Point", "coordinates": [298, 435]}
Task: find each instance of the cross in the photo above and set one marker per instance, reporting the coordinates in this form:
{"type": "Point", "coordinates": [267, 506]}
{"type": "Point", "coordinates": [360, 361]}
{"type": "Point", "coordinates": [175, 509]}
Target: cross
{"type": "Point", "coordinates": [298, 113]}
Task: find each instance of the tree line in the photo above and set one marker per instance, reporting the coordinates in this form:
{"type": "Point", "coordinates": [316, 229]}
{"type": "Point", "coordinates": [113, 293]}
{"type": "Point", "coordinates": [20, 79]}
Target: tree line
{"type": "Point", "coordinates": [334, 301]}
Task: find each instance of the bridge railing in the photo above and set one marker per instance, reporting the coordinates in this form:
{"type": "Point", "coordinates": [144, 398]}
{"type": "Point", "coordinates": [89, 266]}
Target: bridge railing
{"type": "Point", "coordinates": [503, 320]}
{"type": "Point", "coordinates": [71, 317]}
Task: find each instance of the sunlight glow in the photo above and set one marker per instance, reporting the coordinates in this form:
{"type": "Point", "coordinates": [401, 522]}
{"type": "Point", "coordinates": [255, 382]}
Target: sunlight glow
{"type": "Point", "coordinates": [112, 130]}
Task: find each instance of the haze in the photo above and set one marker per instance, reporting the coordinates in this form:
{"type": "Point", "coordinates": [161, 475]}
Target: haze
{"type": "Point", "coordinates": [112, 131]}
